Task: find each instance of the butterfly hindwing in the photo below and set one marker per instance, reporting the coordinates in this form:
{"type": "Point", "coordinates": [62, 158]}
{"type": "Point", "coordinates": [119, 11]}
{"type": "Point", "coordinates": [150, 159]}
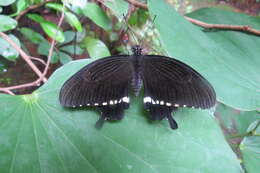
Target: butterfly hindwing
{"type": "Point", "coordinates": [171, 83]}
{"type": "Point", "coordinates": [104, 84]}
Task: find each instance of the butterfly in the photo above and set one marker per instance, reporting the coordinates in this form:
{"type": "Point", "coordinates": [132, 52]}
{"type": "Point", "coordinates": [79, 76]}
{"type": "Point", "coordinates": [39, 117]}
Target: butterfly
{"type": "Point", "coordinates": [168, 84]}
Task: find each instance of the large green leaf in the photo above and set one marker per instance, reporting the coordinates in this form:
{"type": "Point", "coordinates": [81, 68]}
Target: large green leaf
{"type": "Point", "coordinates": [228, 59]}
{"type": "Point", "coordinates": [38, 135]}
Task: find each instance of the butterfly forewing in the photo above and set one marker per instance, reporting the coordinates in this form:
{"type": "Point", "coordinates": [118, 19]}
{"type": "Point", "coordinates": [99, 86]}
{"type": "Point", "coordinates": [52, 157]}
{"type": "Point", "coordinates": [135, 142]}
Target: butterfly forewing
{"type": "Point", "coordinates": [104, 84]}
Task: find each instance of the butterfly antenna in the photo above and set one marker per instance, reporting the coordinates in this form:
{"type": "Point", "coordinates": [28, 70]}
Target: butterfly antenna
{"type": "Point", "coordinates": [133, 33]}
{"type": "Point", "coordinates": [150, 28]}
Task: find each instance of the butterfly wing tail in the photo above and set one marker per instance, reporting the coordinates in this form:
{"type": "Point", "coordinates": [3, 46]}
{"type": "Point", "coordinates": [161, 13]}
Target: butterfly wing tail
{"type": "Point", "coordinates": [99, 124]}
{"type": "Point", "coordinates": [112, 112]}
{"type": "Point", "coordinates": [173, 124]}
{"type": "Point", "coordinates": [159, 112]}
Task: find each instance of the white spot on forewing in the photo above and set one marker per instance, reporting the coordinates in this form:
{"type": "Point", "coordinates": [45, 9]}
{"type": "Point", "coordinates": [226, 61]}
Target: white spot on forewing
{"type": "Point", "coordinates": [147, 99]}
{"type": "Point", "coordinates": [111, 102]}
{"type": "Point", "coordinates": [125, 99]}
{"type": "Point", "coordinates": [184, 106]}
{"type": "Point", "coordinates": [157, 101]}
{"type": "Point", "coordinates": [88, 104]}
{"type": "Point", "coordinates": [115, 101]}
{"type": "Point", "coordinates": [120, 101]}
{"type": "Point", "coordinates": [168, 104]}
{"type": "Point", "coordinates": [161, 102]}
{"type": "Point", "coordinates": [80, 105]}
{"type": "Point", "coordinates": [96, 104]}
{"type": "Point", "coordinates": [153, 102]}
{"type": "Point", "coordinates": [104, 103]}
{"type": "Point", "coordinates": [176, 105]}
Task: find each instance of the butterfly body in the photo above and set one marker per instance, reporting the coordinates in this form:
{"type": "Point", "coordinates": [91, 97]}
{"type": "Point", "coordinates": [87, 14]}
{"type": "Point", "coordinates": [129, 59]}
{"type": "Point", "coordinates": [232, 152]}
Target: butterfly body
{"type": "Point", "coordinates": [168, 84]}
{"type": "Point", "coordinates": [136, 61]}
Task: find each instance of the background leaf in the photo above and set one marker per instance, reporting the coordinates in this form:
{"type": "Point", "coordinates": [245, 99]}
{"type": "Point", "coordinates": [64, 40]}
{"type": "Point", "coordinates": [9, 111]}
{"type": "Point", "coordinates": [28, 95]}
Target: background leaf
{"type": "Point", "coordinates": [96, 48]}
{"type": "Point", "coordinates": [6, 2]}
{"type": "Point", "coordinates": [69, 36]}
{"type": "Point", "coordinates": [97, 15]}
{"type": "Point", "coordinates": [51, 29]}
{"type": "Point", "coordinates": [73, 21]}
{"type": "Point", "coordinates": [64, 58]}
{"type": "Point", "coordinates": [7, 51]}
{"type": "Point", "coordinates": [20, 6]}
{"type": "Point", "coordinates": [70, 17]}
{"type": "Point", "coordinates": [73, 49]}
{"type": "Point", "coordinates": [7, 23]}
{"type": "Point", "coordinates": [33, 36]}
{"type": "Point", "coordinates": [236, 121]}
{"type": "Point", "coordinates": [118, 7]}
{"type": "Point", "coordinates": [228, 59]}
{"type": "Point", "coordinates": [36, 18]}
{"type": "Point", "coordinates": [250, 148]}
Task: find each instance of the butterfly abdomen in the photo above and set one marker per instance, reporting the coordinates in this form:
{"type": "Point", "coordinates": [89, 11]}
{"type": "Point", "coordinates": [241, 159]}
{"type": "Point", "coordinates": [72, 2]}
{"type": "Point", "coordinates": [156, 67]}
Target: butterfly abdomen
{"type": "Point", "coordinates": [136, 75]}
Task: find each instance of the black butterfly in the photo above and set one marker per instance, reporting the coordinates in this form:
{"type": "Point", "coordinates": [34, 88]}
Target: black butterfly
{"type": "Point", "coordinates": [168, 84]}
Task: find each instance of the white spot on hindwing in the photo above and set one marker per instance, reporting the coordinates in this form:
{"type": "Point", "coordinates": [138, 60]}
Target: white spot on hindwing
{"type": "Point", "coordinates": [147, 99]}
{"type": "Point", "coordinates": [161, 102]}
{"type": "Point", "coordinates": [168, 104]}
{"type": "Point", "coordinates": [96, 104]}
{"type": "Point", "coordinates": [125, 99]}
{"type": "Point", "coordinates": [104, 103]}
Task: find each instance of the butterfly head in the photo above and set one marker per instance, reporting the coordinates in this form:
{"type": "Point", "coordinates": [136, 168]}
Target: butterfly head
{"type": "Point", "coordinates": [137, 50]}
